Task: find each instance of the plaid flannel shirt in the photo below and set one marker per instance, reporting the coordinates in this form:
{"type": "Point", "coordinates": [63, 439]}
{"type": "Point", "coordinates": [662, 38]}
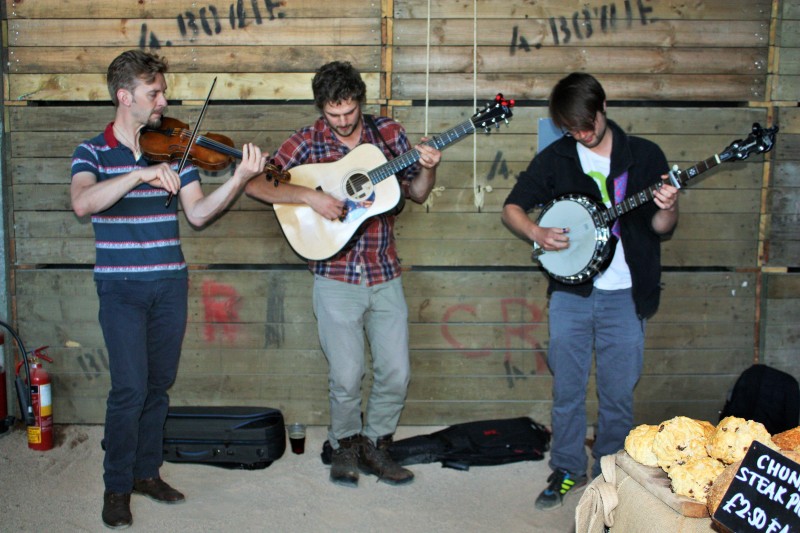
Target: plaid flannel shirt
{"type": "Point", "coordinates": [374, 252]}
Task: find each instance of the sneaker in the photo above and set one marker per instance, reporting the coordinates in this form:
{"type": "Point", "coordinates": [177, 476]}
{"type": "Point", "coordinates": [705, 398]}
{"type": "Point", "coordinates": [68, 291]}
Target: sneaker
{"type": "Point", "coordinates": [344, 462]}
{"type": "Point", "coordinates": [560, 482]}
{"type": "Point", "coordinates": [377, 461]}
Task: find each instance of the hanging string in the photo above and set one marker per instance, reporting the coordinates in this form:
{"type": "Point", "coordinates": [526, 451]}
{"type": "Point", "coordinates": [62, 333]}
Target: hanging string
{"type": "Point", "coordinates": [436, 191]}
{"type": "Point", "coordinates": [477, 189]}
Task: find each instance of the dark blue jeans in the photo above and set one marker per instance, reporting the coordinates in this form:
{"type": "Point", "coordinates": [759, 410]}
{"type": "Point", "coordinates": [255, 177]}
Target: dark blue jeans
{"type": "Point", "coordinates": [143, 324]}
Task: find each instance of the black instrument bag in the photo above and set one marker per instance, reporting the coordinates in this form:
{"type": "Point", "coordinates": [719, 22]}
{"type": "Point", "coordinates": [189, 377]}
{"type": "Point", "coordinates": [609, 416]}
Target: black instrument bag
{"type": "Point", "coordinates": [233, 437]}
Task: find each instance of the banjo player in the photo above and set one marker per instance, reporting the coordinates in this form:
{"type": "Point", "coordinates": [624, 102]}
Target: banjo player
{"type": "Point", "coordinates": [604, 312]}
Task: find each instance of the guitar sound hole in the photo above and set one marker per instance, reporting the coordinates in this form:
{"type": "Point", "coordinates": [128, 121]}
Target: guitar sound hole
{"type": "Point", "coordinates": [358, 186]}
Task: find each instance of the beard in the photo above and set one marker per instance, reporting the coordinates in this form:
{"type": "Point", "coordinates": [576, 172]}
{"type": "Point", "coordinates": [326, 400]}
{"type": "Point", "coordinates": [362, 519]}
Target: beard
{"type": "Point", "coordinates": [346, 131]}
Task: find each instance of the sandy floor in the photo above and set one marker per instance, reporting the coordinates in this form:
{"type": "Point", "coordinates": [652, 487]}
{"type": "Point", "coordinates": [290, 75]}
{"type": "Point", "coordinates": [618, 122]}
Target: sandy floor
{"type": "Point", "coordinates": [61, 490]}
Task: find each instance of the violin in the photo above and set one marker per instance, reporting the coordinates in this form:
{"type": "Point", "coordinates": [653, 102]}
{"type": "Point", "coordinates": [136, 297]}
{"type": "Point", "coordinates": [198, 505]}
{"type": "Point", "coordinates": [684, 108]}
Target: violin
{"type": "Point", "coordinates": [212, 151]}
{"type": "Point", "coordinates": [169, 142]}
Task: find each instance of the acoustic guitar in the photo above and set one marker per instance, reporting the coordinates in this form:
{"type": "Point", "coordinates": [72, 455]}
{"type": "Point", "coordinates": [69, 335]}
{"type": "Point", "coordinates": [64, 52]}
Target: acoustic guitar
{"type": "Point", "coordinates": [361, 180]}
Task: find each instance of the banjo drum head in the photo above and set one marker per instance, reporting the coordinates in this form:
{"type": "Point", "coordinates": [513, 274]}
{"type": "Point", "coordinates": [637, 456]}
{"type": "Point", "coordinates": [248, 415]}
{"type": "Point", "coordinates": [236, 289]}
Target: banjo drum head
{"type": "Point", "coordinates": [575, 215]}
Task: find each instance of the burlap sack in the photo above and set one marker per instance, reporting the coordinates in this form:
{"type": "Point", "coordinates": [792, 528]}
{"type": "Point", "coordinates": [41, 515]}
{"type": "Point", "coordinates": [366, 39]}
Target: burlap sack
{"type": "Point", "coordinates": [617, 501]}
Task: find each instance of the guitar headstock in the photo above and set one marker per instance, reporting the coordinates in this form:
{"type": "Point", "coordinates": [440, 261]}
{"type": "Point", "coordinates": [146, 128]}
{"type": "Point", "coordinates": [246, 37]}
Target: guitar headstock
{"type": "Point", "coordinates": [759, 141]}
{"type": "Point", "coordinates": [494, 113]}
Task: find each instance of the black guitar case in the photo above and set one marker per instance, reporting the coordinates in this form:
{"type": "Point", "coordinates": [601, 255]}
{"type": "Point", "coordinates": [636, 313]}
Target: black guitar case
{"type": "Point", "coordinates": [233, 437]}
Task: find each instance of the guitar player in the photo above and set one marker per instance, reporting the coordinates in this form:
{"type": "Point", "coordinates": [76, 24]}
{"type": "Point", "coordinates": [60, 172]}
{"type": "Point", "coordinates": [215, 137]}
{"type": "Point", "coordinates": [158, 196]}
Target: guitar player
{"type": "Point", "coordinates": [359, 289]}
{"type": "Point", "coordinates": [607, 313]}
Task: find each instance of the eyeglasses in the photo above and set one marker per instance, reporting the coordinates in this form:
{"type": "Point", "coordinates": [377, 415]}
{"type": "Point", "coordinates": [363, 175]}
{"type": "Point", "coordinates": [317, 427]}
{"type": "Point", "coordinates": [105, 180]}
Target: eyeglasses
{"type": "Point", "coordinates": [573, 132]}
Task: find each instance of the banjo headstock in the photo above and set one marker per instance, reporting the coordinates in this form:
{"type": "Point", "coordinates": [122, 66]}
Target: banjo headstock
{"type": "Point", "coordinates": [760, 141]}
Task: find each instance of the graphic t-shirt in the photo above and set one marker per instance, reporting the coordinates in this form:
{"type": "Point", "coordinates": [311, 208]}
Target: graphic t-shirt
{"type": "Point", "coordinates": [617, 275]}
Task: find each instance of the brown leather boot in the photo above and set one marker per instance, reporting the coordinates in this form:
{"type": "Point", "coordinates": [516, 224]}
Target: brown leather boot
{"type": "Point", "coordinates": [117, 510]}
{"type": "Point", "coordinates": [376, 460]}
{"type": "Point", "coordinates": [344, 462]}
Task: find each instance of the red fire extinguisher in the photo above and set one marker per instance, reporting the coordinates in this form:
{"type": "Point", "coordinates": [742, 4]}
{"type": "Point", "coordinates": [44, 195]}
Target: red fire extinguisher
{"type": "Point", "coordinates": [40, 433]}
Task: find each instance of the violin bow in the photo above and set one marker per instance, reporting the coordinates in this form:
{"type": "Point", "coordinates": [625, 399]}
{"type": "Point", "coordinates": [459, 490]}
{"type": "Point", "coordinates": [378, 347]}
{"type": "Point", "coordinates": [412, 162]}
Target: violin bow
{"type": "Point", "coordinates": [193, 138]}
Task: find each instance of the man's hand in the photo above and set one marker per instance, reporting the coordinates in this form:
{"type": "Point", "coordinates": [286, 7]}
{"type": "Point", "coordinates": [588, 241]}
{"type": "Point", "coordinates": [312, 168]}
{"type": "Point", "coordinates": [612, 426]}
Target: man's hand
{"type": "Point", "coordinates": [551, 239]}
{"type": "Point", "coordinates": [324, 204]}
{"type": "Point", "coordinates": [252, 164]}
{"type": "Point", "coordinates": [161, 176]}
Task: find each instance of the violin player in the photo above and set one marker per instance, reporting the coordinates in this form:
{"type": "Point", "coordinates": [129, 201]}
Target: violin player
{"type": "Point", "coordinates": [140, 272]}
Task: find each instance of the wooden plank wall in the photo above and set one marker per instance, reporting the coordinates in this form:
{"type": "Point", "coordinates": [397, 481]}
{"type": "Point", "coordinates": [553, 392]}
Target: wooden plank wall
{"type": "Point", "coordinates": [692, 77]}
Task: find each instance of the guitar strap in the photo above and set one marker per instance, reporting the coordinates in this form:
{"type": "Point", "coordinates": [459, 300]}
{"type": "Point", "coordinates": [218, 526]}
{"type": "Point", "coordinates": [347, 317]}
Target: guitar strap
{"type": "Point", "coordinates": [371, 123]}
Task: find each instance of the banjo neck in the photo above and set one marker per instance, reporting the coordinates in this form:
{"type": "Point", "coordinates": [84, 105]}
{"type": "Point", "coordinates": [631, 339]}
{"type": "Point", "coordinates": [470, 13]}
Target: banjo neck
{"type": "Point", "coordinates": [610, 214]}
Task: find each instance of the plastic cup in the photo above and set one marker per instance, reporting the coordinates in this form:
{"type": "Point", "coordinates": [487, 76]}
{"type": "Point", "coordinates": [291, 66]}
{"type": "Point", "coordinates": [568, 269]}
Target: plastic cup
{"type": "Point", "coordinates": [297, 437]}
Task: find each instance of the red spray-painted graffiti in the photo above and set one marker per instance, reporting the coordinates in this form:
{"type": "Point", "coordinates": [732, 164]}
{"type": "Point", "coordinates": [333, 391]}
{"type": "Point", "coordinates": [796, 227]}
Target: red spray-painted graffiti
{"type": "Point", "coordinates": [530, 318]}
{"type": "Point", "coordinates": [221, 305]}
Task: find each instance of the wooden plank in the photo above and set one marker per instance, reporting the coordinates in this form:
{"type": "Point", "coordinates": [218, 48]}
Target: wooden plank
{"type": "Point", "coordinates": [783, 286]}
{"type": "Point", "coordinates": [128, 32]}
{"type": "Point", "coordinates": [786, 174]}
{"type": "Point", "coordinates": [633, 86]}
{"type": "Point", "coordinates": [153, 9]}
{"type": "Point", "coordinates": [693, 200]}
{"type": "Point", "coordinates": [787, 34]}
{"type": "Point", "coordinates": [224, 118]}
{"type": "Point", "coordinates": [256, 58]}
{"type": "Point", "coordinates": [644, 14]}
{"type": "Point", "coordinates": [789, 119]}
{"type": "Point", "coordinates": [491, 59]}
{"type": "Point", "coordinates": [253, 86]}
{"type": "Point", "coordinates": [783, 254]}
{"type": "Point", "coordinates": [428, 252]}
{"type": "Point", "coordinates": [63, 145]}
{"type": "Point", "coordinates": [530, 37]}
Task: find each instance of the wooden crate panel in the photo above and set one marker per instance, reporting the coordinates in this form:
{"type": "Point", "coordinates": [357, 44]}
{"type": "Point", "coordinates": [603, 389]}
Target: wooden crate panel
{"type": "Point", "coordinates": [474, 340]}
{"type": "Point", "coordinates": [691, 77]}
{"type": "Point", "coordinates": [251, 12]}
{"type": "Point", "coordinates": [261, 58]}
{"type": "Point", "coordinates": [247, 86]}
{"type": "Point", "coordinates": [644, 12]}
{"type": "Point", "coordinates": [605, 60]}
{"type": "Point", "coordinates": [129, 32]}
{"type": "Point", "coordinates": [532, 38]}
{"type": "Point", "coordinates": [711, 87]}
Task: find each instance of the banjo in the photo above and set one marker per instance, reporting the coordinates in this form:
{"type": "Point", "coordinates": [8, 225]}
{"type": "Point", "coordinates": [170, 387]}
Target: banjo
{"type": "Point", "coordinates": [590, 222]}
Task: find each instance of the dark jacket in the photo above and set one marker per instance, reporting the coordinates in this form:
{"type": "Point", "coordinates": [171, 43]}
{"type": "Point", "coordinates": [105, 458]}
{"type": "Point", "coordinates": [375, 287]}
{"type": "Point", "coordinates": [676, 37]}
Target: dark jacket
{"type": "Point", "coordinates": [557, 171]}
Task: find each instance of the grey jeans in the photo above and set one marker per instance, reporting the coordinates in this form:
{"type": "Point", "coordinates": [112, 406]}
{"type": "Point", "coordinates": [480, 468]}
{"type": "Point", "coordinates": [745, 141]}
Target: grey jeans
{"type": "Point", "coordinates": [345, 312]}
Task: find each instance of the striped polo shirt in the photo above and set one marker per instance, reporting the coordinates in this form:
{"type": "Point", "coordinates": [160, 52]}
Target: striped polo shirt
{"type": "Point", "coordinates": [137, 237]}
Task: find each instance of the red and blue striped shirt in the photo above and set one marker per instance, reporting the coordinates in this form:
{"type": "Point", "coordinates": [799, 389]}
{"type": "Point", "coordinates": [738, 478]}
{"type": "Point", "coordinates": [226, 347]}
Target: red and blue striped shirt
{"type": "Point", "coordinates": [137, 238]}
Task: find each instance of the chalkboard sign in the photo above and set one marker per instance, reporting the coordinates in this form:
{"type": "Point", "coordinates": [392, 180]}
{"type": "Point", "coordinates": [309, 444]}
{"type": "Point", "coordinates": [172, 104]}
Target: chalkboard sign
{"type": "Point", "coordinates": [764, 495]}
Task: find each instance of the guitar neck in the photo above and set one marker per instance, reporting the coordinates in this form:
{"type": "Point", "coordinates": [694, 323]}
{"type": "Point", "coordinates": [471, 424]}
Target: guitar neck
{"type": "Point", "coordinates": [636, 200]}
{"type": "Point", "coordinates": [390, 168]}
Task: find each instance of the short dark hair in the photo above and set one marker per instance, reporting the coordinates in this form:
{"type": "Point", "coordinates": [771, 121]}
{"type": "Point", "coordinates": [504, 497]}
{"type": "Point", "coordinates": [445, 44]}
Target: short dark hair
{"type": "Point", "coordinates": [575, 101]}
{"type": "Point", "coordinates": [132, 66]}
{"type": "Point", "coordinates": [337, 82]}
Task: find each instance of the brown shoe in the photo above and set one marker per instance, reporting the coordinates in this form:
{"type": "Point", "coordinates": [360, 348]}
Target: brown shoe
{"type": "Point", "coordinates": [376, 460]}
{"type": "Point", "coordinates": [344, 462]}
{"type": "Point", "coordinates": [157, 489]}
{"type": "Point", "coordinates": [117, 510]}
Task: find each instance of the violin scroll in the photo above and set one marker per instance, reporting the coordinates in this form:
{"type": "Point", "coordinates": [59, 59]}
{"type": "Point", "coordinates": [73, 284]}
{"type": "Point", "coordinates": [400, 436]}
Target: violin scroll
{"type": "Point", "coordinates": [275, 173]}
